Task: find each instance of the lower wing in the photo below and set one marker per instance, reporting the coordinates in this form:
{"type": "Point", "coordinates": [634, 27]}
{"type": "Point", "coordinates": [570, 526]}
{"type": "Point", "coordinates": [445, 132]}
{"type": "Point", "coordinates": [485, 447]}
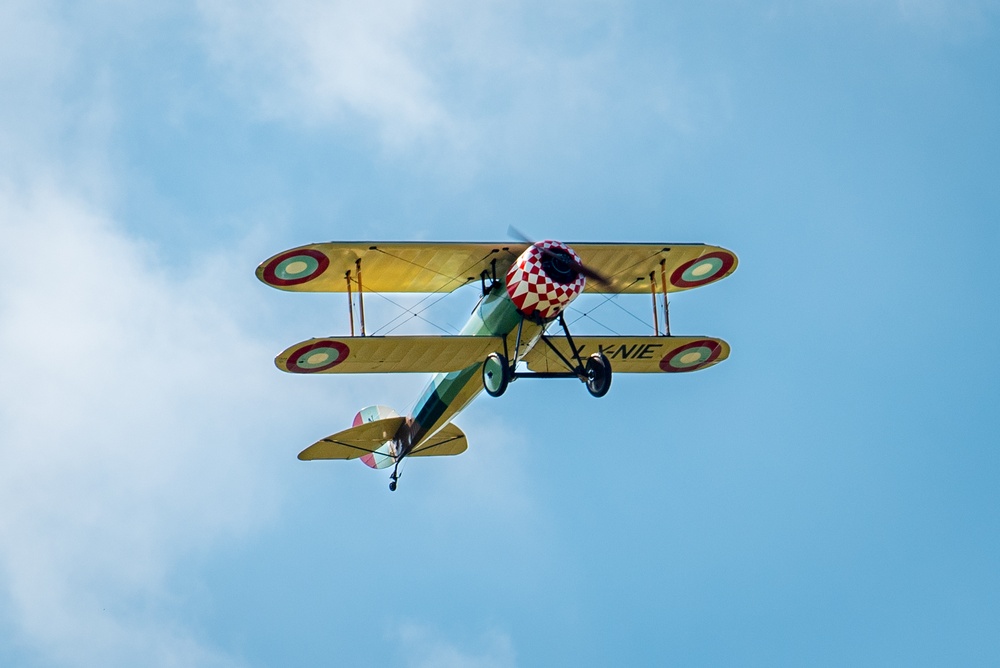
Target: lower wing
{"type": "Point", "coordinates": [387, 354]}
{"type": "Point", "coordinates": [634, 354]}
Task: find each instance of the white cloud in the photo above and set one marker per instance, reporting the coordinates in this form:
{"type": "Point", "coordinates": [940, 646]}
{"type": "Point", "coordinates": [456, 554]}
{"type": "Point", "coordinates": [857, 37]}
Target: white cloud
{"type": "Point", "coordinates": [422, 647]}
{"type": "Point", "coordinates": [467, 80]}
{"type": "Point", "coordinates": [133, 400]}
{"type": "Point", "coordinates": [316, 61]}
{"type": "Point", "coordinates": [125, 441]}
{"type": "Point", "coordinates": [123, 445]}
{"type": "Point", "coordinates": [34, 53]}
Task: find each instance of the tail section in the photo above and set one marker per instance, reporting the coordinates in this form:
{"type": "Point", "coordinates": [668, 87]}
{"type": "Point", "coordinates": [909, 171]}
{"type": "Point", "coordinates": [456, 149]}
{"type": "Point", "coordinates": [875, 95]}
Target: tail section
{"type": "Point", "coordinates": [375, 440]}
{"type": "Point", "coordinates": [371, 439]}
{"type": "Point", "coordinates": [384, 456]}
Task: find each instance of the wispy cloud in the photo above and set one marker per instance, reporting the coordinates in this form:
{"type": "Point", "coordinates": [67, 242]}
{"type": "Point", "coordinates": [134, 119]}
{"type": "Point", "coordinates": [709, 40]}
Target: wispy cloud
{"type": "Point", "coordinates": [317, 61]}
{"type": "Point", "coordinates": [472, 80]}
{"type": "Point", "coordinates": [134, 399]}
{"type": "Point", "coordinates": [422, 647]}
{"type": "Point", "coordinates": [124, 440]}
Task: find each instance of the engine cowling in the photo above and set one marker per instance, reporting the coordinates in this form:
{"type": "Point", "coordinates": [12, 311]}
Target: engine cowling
{"type": "Point", "coordinates": [544, 280]}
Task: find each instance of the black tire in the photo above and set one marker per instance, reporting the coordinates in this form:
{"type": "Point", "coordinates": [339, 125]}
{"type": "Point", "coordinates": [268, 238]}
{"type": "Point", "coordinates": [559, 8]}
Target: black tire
{"type": "Point", "coordinates": [598, 375]}
{"type": "Point", "coordinates": [392, 486]}
{"type": "Point", "coordinates": [495, 374]}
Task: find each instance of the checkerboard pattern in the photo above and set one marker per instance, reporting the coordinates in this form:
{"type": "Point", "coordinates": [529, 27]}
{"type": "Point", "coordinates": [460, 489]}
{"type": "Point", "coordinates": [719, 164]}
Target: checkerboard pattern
{"type": "Point", "coordinates": [534, 293]}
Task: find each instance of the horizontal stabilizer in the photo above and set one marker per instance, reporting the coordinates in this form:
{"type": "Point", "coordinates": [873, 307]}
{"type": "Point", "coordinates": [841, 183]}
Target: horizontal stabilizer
{"type": "Point", "coordinates": [387, 354]}
{"type": "Point", "coordinates": [352, 443]}
{"type": "Point", "coordinates": [634, 354]}
{"type": "Point", "coordinates": [449, 440]}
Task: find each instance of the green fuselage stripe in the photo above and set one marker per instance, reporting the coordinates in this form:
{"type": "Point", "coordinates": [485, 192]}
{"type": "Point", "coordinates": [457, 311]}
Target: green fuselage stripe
{"type": "Point", "coordinates": [497, 316]}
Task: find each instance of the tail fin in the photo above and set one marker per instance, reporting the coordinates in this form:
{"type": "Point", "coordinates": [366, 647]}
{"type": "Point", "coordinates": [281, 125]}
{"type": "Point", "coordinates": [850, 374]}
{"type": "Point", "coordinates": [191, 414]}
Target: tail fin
{"type": "Point", "coordinates": [385, 456]}
{"type": "Point", "coordinates": [372, 413]}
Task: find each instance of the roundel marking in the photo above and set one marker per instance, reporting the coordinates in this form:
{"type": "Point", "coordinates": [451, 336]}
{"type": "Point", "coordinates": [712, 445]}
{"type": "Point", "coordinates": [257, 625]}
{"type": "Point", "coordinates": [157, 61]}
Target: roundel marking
{"type": "Point", "coordinates": [295, 267]}
{"type": "Point", "coordinates": [382, 458]}
{"type": "Point", "coordinates": [691, 356]}
{"type": "Point", "coordinates": [702, 270]}
{"type": "Point", "coordinates": [317, 357]}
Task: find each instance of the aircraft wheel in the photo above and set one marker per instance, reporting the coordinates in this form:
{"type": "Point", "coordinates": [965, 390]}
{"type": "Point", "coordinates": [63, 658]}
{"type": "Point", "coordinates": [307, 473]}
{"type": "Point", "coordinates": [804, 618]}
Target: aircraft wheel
{"type": "Point", "coordinates": [598, 375]}
{"type": "Point", "coordinates": [392, 485]}
{"type": "Point", "coordinates": [495, 374]}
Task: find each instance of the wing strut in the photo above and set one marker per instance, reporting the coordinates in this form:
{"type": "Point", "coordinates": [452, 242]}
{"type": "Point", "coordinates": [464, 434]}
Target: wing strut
{"type": "Point", "coordinates": [350, 301]}
{"type": "Point", "coordinates": [652, 291]}
{"type": "Point", "coordinates": [666, 307]}
{"type": "Point", "coordinates": [361, 297]}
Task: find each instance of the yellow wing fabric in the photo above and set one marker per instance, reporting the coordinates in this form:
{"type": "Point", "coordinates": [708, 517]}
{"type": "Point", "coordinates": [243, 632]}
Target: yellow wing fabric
{"type": "Point", "coordinates": [444, 267]}
{"type": "Point", "coordinates": [680, 266]}
{"type": "Point", "coordinates": [371, 437]}
{"type": "Point", "coordinates": [635, 354]}
{"type": "Point", "coordinates": [386, 267]}
{"type": "Point", "coordinates": [449, 440]}
{"type": "Point", "coordinates": [355, 442]}
{"type": "Point", "coordinates": [387, 354]}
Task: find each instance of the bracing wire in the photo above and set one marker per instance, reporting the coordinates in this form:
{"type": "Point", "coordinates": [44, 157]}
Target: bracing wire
{"type": "Point", "coordinates": [440, 291]}
{"type": "Point", "coordinates": [610, 298]}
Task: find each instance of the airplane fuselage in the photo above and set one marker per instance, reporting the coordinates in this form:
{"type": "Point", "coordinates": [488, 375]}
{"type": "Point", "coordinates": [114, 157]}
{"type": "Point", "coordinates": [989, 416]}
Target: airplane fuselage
{"type": "Point", "coordinates": [446, 394]}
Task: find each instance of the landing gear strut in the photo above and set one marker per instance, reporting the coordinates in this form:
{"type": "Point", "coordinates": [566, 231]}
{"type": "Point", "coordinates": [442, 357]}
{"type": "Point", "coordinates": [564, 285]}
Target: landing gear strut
{"type": "Point", "coordinates": [594, 372]}
{"type": "Point", "coordinates": [394, 477]}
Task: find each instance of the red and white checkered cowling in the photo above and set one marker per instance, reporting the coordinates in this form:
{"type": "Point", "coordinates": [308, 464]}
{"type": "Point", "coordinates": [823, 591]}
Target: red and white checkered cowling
{"type": "Point", "coordinates": [533, 292]}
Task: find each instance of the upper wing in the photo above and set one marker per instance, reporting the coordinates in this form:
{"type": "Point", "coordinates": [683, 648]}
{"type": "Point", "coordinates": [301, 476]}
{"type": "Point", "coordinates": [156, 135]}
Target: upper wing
{"type": "Point", "coordinates": [443, 267]}
{"type": "Point", "coordinates": [386, 267]}
{"type": "Point", "coordinates": [629, 268]}
{"type": "Point", "coordinates": [635, 354]}
{"type": "Point", "coordinates": [387, 354]}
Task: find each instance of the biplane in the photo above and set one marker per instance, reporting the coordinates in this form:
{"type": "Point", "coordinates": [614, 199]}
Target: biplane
{"type": "Point", "coordinates": [524, 289]}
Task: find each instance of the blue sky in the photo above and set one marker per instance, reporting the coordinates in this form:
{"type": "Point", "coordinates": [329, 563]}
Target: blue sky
{"type": "Point", "coordinates": [827, 496]}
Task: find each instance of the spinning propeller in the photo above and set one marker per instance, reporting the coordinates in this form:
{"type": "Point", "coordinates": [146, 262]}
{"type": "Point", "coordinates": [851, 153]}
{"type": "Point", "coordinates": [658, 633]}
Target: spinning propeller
{"type": "Point", "coordinates": [561, 262]}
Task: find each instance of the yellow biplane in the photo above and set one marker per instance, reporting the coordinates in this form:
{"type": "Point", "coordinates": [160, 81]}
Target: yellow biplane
{"type": "Point", "coordinates": [525, 288]}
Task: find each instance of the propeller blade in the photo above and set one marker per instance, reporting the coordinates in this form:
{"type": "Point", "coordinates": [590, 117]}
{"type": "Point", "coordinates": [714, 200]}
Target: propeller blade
{"type": "Point", "coordinates": [577, 266]}
{"type": "Point", "coordinates": [590, 273]}
{"type": "Point", "coordinates": [515, 233]}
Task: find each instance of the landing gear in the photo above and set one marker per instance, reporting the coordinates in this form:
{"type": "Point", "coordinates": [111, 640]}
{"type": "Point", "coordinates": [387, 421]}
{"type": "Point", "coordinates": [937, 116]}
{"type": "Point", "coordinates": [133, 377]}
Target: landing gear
{"type": "Point", "coordinates": [495, 374]}
{"type": "Point", "coordinates": [594, 371]}
{"type": "Point", "coordinates": [394, 477]}
{"type": "Point", "coordinates": [598, 375]}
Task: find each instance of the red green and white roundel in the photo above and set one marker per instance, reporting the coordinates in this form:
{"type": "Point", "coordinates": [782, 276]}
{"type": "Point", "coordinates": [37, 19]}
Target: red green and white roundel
{"type": "Point", "coordinates": [691, 356]}
{"type": "Point", "coordinates": [385, 455]}
{"type": "Point", "coordinates": [317, 356]}
{"type": "Point", "coordinates": [703, 270]}
{"type": "Point", "coordinates": [295, 267]}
